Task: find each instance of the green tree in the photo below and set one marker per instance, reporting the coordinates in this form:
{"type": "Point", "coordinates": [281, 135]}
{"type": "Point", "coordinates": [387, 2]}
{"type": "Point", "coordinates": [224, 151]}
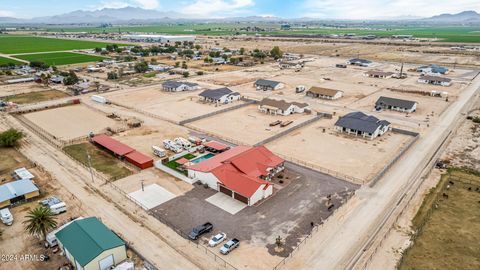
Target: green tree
{"type": "Point", "coordinates": [71, 78]}
{"type": "Point", "coordinates": [98, 50]}
{"type": "Point", "coordinates": [186, 74]}
{"type": "Point", "coordinates": [242, 51]}
{"type": "Point", "coordinates": [112, 75]}
{"type": "Point", "coordinates": [10, 137]}
{"type": "Point", "coordinates": [39, 221]}
{"type": "Point", "coordinates": [141, 67]}
{"type": "Point", "coordinates": [276, 53]}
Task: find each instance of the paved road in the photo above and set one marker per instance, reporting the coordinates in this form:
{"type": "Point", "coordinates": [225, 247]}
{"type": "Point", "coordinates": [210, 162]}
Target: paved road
{"type": "Point", "coordinates": [344, 235]}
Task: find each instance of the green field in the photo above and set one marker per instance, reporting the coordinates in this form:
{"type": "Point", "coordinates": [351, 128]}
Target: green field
{"type": "Point", "coordinates": [4, 61]}
{"type": "Point", "coordinates": [28, 44]}
{"type": "Point", "coordinates": [60, 58]}
{"type": "Point", "coordinates": [447, 228]}
{"type": "Point", "coordinates": [101, 160]}
{"type": "Point", "coordinates": [36, 96]}
{"type": "Point", "coordinates": [447, 34]}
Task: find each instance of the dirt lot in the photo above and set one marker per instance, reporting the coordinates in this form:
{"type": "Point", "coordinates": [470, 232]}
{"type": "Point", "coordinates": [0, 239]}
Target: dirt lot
{"type": "Point", "coordinates": [70, 122]}
{"type": "Point", "coordinates": [37, 96]}
{"type": "Point", "coordinates": [355, 157]}
{"type": "Point", "coordinates": [14, 161]}
{"type": "Point", "coordinates": [288, 213]}
{"type": "Point", "coordinates": [171, 106]}
{"type": "Point", "coordinates": [16, 89]}
{"type": "Point", "coordinates": [246, 125]}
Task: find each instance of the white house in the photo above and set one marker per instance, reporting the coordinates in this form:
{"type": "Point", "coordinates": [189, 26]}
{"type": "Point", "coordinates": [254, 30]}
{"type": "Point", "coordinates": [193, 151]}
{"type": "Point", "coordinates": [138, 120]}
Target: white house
{"type": "Point", "coordinates": [281, 107]}
{"type": "Point", "coordinates": [221, 95]}
{"type": "Point", "coordinates": [176, 86]}
{"type": "Point", "coordinates": [435, 80]}
{"type": "Point", "coordinates": [324, 93]}
{"type": "Point", "coordinates": [360, 124]}
{"type": "Point", "coordinates": [243, 172]}
{"type": "Point", "coordinates": [378, 74]}
{"type": "Point", "coordinates": [268, 85]}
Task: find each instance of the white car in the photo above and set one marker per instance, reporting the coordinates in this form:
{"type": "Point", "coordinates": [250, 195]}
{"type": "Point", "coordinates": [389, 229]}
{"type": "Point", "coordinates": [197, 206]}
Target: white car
{"type": "Point", "coordinates": [217, 239]}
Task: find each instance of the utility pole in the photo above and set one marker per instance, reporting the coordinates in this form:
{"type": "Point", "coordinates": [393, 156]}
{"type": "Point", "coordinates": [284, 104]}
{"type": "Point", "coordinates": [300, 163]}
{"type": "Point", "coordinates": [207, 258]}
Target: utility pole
{"type": "Point", "coordinates": [89, 158]}
{"type": "Point", "coordinates": [142, 185]}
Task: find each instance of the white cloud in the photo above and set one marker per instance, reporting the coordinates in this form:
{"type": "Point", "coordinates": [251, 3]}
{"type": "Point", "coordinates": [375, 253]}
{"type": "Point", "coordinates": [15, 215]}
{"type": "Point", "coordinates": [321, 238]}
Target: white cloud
{"type": "Point", "coordinates": [146, 4]}
{"type": "Point", "coordinates": [7, 13]}
{"type": "Point", "coordinates": [110, 4]}
{"type": "Point", "coordinates": [364, 9]}
{"type": "Point", "coordinates": [218, 7]}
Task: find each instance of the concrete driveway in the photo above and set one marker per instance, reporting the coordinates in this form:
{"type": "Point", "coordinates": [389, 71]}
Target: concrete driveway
{"type": "Point", "coordinates": [226, 203]}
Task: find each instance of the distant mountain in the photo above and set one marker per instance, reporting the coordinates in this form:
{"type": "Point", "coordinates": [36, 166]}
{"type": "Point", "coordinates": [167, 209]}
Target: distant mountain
{"type": "Point", "coordinates": [107, 15]}
{"type": "Point", "coordinates": [465, 16]}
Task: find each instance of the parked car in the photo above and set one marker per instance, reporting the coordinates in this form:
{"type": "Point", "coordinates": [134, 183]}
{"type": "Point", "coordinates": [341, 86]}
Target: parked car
{"type": "Point", "coordinates": [229, 246]}
{"type": "Point", "coordinates": [217, 239]}
{"type": "Point", "coordinates": [200, 230]}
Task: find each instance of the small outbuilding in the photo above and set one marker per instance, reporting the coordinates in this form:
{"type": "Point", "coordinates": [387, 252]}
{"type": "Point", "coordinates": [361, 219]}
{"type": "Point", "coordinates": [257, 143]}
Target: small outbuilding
{"type": "Point", "coordinates": [17, 192]}
{"type": "Point", "coordinates": [89, 245]}
{"type": "Point", "coordinates": [140, 160]}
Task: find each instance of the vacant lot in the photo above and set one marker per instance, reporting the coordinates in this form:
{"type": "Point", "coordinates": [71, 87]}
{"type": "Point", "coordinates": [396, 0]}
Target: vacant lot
{"type": "Point", "coordinates": [71, 121]}
{"type": "Point", "coordinates": [15, 89]}
{"type": "Point", "coordinates": [348, 155]}
{"type": "Point", "coordinates": [447, 228]}
{"type": "Point", "coordinates": [101, 160]}
{"type": "Point", "coordinates": [34, 97]}
{"type": "Point", "coordinates": [11, 160]}
{"type": "Point", "coordinates": [246, 125]}
{"type": "Point", "coordinates": [171, 106]}
{"type": "Point", "coordinates": [28, 44]}
{"type": "Point", "coordinates": [61, 58]}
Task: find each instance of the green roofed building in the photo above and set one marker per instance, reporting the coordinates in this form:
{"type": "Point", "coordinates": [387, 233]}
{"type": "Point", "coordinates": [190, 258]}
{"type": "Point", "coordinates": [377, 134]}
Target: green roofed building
{"type": "Point", "coordinates": [90, 245]}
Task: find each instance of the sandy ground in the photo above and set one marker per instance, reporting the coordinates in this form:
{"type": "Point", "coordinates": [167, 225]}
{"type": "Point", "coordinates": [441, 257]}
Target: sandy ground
{"type": "Point", "coordinates": [20, 88]}
{"type": "Point", "coordinates": [172, 106]}
{"type": "Point", "coordinates": [247, 124]}
{"type": "Point", "coordinates": [355, 157]}
{"type": "Point", "coordinates": [71, 121]}
{"type": "Point", "coordinates": [153, 176]}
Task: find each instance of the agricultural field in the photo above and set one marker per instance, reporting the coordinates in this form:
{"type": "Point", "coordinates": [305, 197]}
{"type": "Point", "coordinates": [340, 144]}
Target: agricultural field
{"type": "Point", "coordinates": [5, 61]}
{"type": "Point", "coordinates": [446, 34]}
{"type": "Point", "coordinates": [60, 58]}
{"type": "Point", "coordinates": [101, 160]}
{"type": "Point", "coordinates": [448, 235]}
{"type": "Point", "coordinates": [33, 97]}
{"type": "Point", "coordinates": [29, 44]}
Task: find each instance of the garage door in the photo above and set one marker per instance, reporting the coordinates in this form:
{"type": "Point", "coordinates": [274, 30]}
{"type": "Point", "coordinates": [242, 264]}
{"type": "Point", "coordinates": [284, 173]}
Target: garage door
{"type": "Point", "coordinates": [226, 191]}
{"type": "Point", "coordinates": [241, 198]}
{"type": "Point", "coordinates": [106, 262]}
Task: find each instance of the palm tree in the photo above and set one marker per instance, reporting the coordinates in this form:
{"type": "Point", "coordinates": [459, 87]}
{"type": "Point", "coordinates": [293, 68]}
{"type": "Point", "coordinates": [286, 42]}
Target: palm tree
{"type": "Point", "coordinates": [39, 221]}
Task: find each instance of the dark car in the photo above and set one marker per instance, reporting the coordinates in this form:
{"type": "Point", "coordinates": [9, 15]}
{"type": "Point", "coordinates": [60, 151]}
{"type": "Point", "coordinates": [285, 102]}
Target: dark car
{"type": "Point", "coordinates": [200, 230]}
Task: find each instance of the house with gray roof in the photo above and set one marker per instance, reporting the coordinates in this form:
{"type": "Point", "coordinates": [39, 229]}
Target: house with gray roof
{"type": "Point", "coordinates": [177, 86]}
{"type": "Point", "coordinates": [435, 80]}
{"type": "Point", "coordinates": [281, 107]}
{"type": "Point", "coordinates": [221, 95]}
{"type": "Point", "coordinates": [359, 62]}
{"type": "Point", "coordinates": [360, 124]}
{"type": "Point", "coordinates": [433, 69]}
{"type": "Point", "coordinates": [395, 104]}
{"type": "Point", "coordinates": [378, 74]}
{"type": "Point", "coordinates": [266, 85]}
{"type": "Point", "coordinates": [17, 191]}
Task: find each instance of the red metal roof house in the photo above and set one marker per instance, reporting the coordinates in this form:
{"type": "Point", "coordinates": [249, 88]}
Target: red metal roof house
{"type": "Point", "coordinates": [242, 172]}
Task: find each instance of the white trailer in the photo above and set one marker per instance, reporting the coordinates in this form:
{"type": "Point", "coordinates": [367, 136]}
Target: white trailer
{"type": "Point", "coordinates": [157, 151]}
{"type": "Point", "coordinates": [170, 145]}
{"type": "Point", "coordinates": [51, 239]}
{"type": "Point", "coordinates": [6, 216]}
{"type": "Point", "coordinates": [58, 208]}
{"type": "Point", "coordinates": [183, 143]}
{"type": "Point", "coordinates": [99, 99]}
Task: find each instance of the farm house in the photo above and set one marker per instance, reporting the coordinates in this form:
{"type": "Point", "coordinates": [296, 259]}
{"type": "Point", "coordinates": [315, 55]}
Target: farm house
{"type": "Point", "coordinates": [281, 107]}
{"type": "Point", "coordinates": [360, 124]}
{"type": "Point", "coordinates": [395, 104]}
{"type": "Point", "coordinates": [324, 93]}
{"type": "Point", "coordinates": [221, 95]}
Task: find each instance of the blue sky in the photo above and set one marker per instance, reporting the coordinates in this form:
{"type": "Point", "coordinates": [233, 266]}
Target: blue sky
{"type": "Point", "coordinates": [349, 9]}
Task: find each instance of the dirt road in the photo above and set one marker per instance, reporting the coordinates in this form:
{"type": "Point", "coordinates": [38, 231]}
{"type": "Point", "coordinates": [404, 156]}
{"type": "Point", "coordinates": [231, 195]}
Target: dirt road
{"type": "Point", "coordinates": [343, 236]}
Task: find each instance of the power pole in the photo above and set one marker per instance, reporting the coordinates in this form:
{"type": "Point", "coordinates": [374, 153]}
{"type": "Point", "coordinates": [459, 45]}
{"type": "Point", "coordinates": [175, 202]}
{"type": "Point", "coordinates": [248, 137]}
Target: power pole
{"type": "Point", "coordinates": [142, 185]}
{"type": "Point", "coordinates": [89, 158]}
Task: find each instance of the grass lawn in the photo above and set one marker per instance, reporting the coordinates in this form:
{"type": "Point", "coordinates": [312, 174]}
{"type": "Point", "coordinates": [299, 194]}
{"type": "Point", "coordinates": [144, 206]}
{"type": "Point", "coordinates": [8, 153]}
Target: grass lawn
{"type": "Point", "coordinates": [29, 44]}
{"type": "Point", "coordinates": [101, 160]}
{"type": "Point", "coordinates": [10, 160]}
{"type": "Point", "coordinates": [36, 96]}
{"type": "Point", "coordinates": [61, 58]}
{"type": "Point", "coordinates": [4, 61]}
{"type": "Point", "coordinates": [450, 238]}
{"type": "Point", "coordinates": [173, 165]}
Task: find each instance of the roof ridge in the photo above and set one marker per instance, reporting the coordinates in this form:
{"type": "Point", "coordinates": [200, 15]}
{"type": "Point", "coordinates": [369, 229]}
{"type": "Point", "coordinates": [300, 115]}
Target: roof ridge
{"type": "Point", "coordinates": [88, 234]}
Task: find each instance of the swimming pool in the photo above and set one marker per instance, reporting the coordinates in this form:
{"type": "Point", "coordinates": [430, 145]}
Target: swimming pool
{"type": "Point", "coordinates": [202, 158]}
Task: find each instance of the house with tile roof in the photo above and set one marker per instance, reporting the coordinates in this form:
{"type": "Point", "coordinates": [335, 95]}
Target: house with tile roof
{"type": "Point", "coordinates": [360, 124]}
{"type": "Point", "coordinates": [243, 172]}
{"type": "Point", "coordinates": [89, 245]}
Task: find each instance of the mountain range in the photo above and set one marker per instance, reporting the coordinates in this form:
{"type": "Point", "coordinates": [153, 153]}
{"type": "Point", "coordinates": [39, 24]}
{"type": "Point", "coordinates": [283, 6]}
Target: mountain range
{"type": "Point", "coordinates": [139, 15]}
